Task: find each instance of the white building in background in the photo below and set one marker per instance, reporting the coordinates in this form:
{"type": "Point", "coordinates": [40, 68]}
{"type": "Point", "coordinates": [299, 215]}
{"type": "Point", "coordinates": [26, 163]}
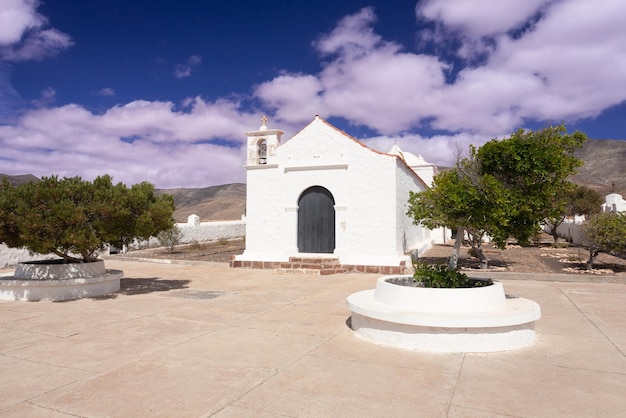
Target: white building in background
{"type": "Point", "coordinates": [571, 227]}
{"type": "Point", "coordinates": [614, 202]}
{"type": "Point", "coordinates": [324, 194]}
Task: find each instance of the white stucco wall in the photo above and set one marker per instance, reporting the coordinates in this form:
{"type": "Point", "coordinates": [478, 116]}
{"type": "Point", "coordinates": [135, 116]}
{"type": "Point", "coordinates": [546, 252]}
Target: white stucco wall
{"type": "Point", "coordinates": [570, 229]}
{"type": "Point", "coordinates": [370, 212]}
{"type": "Point", "coordinates": [212, 231]}
{"type": "Point", "coordinates": [413, 238]}
{"type": "Point", "coordinates": [11, 256]}
{"type": "Point", "coordinates": [201, 232]}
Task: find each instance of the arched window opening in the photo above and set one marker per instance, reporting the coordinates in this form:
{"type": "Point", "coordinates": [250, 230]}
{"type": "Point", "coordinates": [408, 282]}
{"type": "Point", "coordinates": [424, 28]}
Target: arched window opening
{"type": "Point", "coordinates": [262, 151]}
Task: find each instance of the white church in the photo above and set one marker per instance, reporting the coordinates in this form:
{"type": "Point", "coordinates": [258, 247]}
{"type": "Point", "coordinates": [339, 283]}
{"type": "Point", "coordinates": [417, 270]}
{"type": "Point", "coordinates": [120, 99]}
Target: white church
{"type": "Point", "coordinates": [324, 197]}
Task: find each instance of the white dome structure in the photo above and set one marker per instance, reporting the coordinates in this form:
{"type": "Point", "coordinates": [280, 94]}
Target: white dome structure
{"type": "Point", "coordinates": [425, 170]}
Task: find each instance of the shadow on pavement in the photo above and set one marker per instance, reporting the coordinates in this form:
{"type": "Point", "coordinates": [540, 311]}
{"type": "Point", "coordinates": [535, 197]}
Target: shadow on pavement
{"type": "Point", "coordinates": [140, 286]}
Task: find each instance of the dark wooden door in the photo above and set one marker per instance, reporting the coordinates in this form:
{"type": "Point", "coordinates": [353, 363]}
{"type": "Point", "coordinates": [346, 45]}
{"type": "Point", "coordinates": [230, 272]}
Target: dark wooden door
{"type": "Point", "coordinates": [316, 221]}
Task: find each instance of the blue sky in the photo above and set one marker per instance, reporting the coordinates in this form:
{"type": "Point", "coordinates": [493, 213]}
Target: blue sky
{"type": "Point", "coordinates": [163, 91]}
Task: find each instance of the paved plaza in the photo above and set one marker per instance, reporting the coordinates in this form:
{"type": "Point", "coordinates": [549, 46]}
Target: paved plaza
{"type": "Point", "coordinates": [197, 340]}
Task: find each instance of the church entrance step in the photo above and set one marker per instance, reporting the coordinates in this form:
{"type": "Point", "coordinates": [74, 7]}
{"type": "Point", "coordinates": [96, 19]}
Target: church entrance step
{"type": "Point", "coordinates": [318, 266]}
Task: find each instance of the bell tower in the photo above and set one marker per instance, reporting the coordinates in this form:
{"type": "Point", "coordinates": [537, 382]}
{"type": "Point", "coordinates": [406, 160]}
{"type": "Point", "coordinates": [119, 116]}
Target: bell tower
{"type": "Point", "coordinates": [262, 144]}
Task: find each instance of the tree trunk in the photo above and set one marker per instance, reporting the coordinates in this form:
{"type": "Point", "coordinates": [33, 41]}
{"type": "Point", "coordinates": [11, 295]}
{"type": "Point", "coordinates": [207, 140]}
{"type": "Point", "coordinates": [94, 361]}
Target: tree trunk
{"type": "Point", "coordinates": [554, 234]}
{"type": "Point", "coordinates": [554, 224]}
{"type": "Point", "coordinates": [484, 261]}
{"type": "Point", "coordinates": [593, 253]}
{"type": "Point", "coordinates": [67, 258]}
{"type": "Point", "coordinates": [476, 242]}
{"type": "Point", "coordinates": [454, 257]}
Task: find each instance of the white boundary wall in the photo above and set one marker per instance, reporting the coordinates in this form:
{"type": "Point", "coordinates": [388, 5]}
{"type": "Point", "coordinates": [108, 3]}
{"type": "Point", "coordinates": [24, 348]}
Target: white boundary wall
{"type": "Point", "coordinates": [196, 231]}
{"type": "Point", "coordinates": [193, 231]}
{"type": "Point", "coordinates": [570, 229]}
{"type": "Point", "coordinates": [12, 256]}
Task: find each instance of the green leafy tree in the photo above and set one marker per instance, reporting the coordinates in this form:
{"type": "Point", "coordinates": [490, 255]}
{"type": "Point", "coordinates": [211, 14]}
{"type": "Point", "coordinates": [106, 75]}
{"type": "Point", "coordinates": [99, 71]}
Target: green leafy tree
{"type": "Point", "coordinates": [573, 200]}
{"type": "Point", "coordinates": [504, 189]}
{"type": "Point", "coordinates": [461, 200]}
{"type": "Point", "coordinates": [584, 200]}
{"type": "Point", "coordinates": [604, 232]}
{"type": "Point", "coordinates": [73, 216]}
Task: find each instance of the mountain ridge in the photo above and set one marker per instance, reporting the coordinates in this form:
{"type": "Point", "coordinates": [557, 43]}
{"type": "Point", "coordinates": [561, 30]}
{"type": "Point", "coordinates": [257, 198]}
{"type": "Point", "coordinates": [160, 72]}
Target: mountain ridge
{"type": "Point", "coordinates": [603, 160]}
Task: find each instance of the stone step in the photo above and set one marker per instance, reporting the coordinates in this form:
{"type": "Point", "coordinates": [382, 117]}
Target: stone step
{"type": "Point", "coordinates": [315, 260]}
{"type": "Point", "coordinates": [319, 266]}
{"type": "Point", "coordinates": [315, 272]}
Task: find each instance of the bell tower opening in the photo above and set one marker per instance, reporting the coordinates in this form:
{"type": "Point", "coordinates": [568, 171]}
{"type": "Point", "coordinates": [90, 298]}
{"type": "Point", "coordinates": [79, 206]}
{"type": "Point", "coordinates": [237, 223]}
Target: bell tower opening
{"type": "Point", "coordinates": [262, 151]}
{"type": "Point", "coordinates": [262, 144]}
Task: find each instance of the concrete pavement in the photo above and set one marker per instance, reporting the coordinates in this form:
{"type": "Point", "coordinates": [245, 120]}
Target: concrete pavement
{"type": "Point", "coordinates": [206, 340]}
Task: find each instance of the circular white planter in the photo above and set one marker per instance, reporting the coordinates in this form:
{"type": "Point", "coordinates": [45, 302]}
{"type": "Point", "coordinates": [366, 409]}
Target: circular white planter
{"type": "Point", "coordinates": [44, 281]}
{"type": "Point", "coordinates": [479, 319]}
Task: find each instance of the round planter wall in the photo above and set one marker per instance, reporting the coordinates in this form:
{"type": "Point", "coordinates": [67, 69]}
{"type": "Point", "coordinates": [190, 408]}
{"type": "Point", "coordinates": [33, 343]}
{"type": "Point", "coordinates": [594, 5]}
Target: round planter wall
{"type": "Point", "coordinates": [481, 319]}
{"type": "Point", "coordinates": [398, 291]}
{"type": "Point", "coordinates": [39, 280]}
{"type": "Point", "coordinates": [42, 270]}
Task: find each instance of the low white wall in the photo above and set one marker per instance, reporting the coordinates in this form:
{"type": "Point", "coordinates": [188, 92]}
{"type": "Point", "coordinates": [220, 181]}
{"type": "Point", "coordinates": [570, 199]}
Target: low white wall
{"type": "Point", "coordinates": [212, 231]}
{"type": "Point", "coordinates": [12, 256]}
{"type": "Point", "coordinates": [196, 231]}
{"type": "Point", "coordinates": [192, 232]}
{"type": "Point", "coordinates": [570, 229]}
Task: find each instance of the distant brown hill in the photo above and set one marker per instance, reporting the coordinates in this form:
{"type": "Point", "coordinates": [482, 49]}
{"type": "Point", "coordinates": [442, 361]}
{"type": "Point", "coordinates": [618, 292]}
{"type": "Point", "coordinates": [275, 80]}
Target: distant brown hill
{"type": "Point", "coordinates": [19, 179]}
{"type": "Point", "coordinates": [216, 203]}
{"type": "Point", "coordinates": [605, 163]}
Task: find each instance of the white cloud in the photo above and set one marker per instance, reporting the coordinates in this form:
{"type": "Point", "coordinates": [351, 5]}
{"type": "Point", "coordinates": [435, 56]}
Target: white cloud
{"type": "Point", "coordinates": [439, 149]}
{"type": "Point", "coordinates": [184, 70]}
{"type": "Point", "coordinates": [107, 92]}
{"type": "Point", "coordinates": [48, 96]}
{"type": "Point", "coordinates": [293, 97]}
{"type": "Point", "coordinates": [353, 35]}
{"type": "Point", "coordinates": [16, 17]}
{"type": "Point", "coordinates": [194, 60]}
{"type": "Point", "coordinates": [481, 18]}
{"type": "Point", "coordinates": [139, 141]}
{"type": "Point", "coordinates": [23, 35]}
{"type": "Point", "coordinates": [568, 62]}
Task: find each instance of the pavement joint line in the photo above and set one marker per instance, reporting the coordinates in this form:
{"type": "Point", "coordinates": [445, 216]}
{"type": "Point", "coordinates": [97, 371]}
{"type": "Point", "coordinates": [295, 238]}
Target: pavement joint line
{"type": "Point", "coordinates": [560, 366]}
{"type": "Point", "coordinates": [592, 322]}
{"type": "Point", "coordinates": [275, 371]}
{"type": "Point", "coordinates": [456, 383]}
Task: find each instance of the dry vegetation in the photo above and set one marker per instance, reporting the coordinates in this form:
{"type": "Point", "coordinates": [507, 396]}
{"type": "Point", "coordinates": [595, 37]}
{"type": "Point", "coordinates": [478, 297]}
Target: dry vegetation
{"type": "Point", "coordinates": [542, 257]}
{"type": "Point", "coordinates": [218, 251]}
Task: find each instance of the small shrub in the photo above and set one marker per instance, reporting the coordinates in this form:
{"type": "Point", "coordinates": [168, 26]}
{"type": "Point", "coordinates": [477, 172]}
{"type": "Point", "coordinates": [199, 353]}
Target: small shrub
{"type": "Point", "coordinates": [195, 245]}
{"type": "Point", "coordinates": [439, 276]}
{"type": "Point", "coordinates": [170, 238]}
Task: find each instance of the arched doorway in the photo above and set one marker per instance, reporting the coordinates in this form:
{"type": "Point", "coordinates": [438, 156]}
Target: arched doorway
{"type": "Point", "coordinates": [316, 221]}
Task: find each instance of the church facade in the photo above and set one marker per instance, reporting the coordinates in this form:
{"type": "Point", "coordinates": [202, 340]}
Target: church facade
{"type": "Point", "coordinates": [325, 195]}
